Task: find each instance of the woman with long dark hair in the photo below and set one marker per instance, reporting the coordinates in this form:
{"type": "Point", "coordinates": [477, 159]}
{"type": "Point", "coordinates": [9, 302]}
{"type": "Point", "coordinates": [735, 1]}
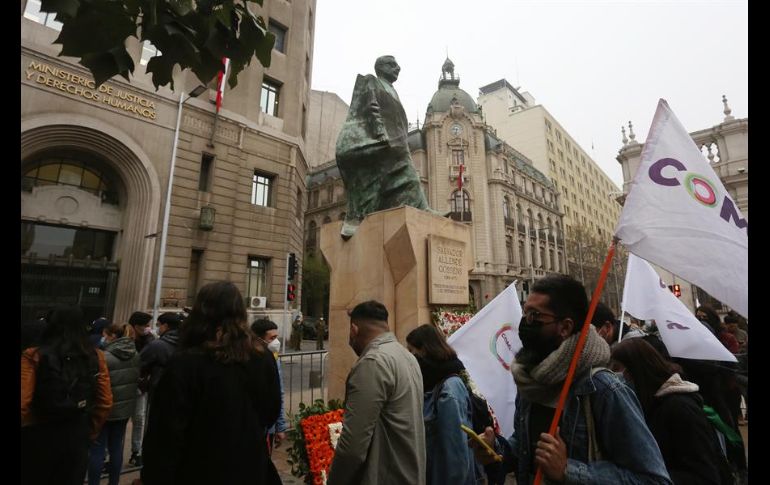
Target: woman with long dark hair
{"type": "Point", "coordinates": [213, 403]}
{"type": "Point", "coordinates": [65, 399]}
{"type": "Point", "coordinates": [447, 405]}
{"type": "Point", "coordinates": [673, 410]}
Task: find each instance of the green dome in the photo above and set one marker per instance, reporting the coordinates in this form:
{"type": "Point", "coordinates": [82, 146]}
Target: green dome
{"type": "Point", "coordinates": [442, 99]}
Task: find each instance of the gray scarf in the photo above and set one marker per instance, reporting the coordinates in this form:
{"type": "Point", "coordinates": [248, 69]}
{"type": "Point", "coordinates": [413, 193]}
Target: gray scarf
{"type": "Point", "coordinates": [542, 383]}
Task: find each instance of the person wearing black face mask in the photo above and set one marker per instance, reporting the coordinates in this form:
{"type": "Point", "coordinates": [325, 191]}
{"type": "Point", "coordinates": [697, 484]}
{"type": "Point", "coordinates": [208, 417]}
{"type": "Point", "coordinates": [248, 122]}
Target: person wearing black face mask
{"type": "Point", "coordinates": [602, 436]}
{"type": "Point", "coordinates": [447, 406]}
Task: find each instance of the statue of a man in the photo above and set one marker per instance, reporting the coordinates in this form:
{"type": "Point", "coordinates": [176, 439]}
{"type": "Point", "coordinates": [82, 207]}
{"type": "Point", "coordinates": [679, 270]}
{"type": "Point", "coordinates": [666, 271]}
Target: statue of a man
{"type": "Point", "coordinates": [372, 151]}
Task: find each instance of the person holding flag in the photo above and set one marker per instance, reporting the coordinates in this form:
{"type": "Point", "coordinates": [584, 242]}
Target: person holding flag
{"type": "Point", "coordinates": [602, 436]}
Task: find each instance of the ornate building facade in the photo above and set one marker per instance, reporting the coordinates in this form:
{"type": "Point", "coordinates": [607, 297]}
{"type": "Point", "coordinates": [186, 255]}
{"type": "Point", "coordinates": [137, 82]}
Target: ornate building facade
{"type": "Point", "coordinates": [514, 210]}
{"type": "Point", "coordinates": [96, 164]}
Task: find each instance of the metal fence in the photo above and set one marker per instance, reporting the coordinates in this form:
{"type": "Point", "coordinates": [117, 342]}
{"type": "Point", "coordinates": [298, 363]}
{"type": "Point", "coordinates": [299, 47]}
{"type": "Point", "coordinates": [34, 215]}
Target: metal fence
{"type": "Point", "coordinates": [304, 378]}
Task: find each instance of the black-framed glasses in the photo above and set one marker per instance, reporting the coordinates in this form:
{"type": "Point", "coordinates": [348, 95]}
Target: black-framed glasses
{"type": "Point", "coordinates": [535, 316]}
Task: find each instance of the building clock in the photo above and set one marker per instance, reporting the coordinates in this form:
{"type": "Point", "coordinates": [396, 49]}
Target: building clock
{"type": "Point", "coordinates": [456, 129]}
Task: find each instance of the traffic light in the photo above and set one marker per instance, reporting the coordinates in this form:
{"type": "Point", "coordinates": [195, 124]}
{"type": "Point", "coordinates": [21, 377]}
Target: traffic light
{"type": "Point", "coordinates": [290, 292]}
{"type": "Point", "coordinates": [292, 266]}
{"type": "Point", "coordinates": [676, 290]}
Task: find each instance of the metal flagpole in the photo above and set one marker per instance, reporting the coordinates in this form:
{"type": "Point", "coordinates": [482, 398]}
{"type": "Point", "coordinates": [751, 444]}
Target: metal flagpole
{"type": "Point", "coordinates": [166, 213]}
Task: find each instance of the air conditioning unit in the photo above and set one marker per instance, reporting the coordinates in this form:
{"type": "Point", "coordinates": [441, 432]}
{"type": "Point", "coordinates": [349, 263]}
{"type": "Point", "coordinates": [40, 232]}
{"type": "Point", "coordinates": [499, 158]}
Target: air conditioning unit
{"type": "Point", "coordinates": [257, 301]}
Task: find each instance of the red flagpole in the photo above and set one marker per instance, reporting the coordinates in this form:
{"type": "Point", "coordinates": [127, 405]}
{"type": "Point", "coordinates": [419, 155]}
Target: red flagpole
{"type": "Point", "coordinates": [578, 349]}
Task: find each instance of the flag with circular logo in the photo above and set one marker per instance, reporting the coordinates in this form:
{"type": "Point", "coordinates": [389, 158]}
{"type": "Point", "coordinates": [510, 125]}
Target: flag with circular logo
{"type": "Point", "coordinates": [679, 216]}
{"type": "Point", "coordinates": [486, 346]}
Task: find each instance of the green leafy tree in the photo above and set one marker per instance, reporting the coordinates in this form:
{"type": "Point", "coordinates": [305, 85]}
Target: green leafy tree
{"type": "Point", "coordinates": [194, 34]}
{"type": "Point", "coordinates": [315, 285]}
{"type": "Point", "coordinates": [586, 251]}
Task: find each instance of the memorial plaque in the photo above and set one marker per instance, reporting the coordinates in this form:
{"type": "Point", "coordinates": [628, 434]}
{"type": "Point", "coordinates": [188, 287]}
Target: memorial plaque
{"type": "Point", "coordinates": [447, 275]}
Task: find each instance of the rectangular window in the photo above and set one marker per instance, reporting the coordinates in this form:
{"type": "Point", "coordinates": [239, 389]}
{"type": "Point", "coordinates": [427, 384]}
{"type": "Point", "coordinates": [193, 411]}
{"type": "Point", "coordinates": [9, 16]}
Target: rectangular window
{"type": "Point", "coordinates": [509, 248]}
{"type": "Point", "coordinates": [261, 189]}
{"type": "Point", "coordinates": [204, 182]}
{"type": "Point", "coordinates": [299, 204]}
{"type": "Point", "coordinates": [280, 35]}
{"type": "Point", "coordinates": [314, 199]}
{"type": "Point", "coordinates": [192, 279]}
{"type": "Point", "coordinates": [458, 157]}
{"type": "Point", "coordinates": [32, 12]}
{"type": "Point", "coordinates": [256, 276]}
{"type": "Point", "coordinates": [63, 241]}
{"type": "Point", "coordinates": [148, 51]}
{"type": "Point", "coordinates": [268, 101]}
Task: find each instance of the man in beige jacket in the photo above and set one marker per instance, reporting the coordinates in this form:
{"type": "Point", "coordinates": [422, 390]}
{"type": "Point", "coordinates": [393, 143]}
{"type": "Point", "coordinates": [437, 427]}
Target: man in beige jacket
{"type": "Point", "coordinates": [383, 435]}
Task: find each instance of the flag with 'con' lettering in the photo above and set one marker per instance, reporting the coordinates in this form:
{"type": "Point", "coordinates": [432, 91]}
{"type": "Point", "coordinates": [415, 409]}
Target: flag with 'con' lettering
{"type": "Point", "coordinates": [679, 216]}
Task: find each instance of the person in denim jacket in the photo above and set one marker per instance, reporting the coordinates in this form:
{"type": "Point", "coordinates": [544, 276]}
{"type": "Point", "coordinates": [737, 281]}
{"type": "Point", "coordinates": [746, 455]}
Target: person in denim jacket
{"type": "Point", "coordinates": [602, 436]}
{"type": "Point", "coordinates": [447, 405]}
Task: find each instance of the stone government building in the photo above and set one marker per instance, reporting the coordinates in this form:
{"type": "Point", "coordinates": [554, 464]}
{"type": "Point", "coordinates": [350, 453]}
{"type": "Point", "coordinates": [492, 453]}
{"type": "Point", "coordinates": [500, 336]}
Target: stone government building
{"type": "Point", "coordinates": [95, 166]}
{"type": "Point", "coordinates": [514, 210]}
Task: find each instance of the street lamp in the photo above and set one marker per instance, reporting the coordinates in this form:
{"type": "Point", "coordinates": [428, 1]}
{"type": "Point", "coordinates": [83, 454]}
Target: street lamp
{"type": "Point", "coordinates": [167, 209]}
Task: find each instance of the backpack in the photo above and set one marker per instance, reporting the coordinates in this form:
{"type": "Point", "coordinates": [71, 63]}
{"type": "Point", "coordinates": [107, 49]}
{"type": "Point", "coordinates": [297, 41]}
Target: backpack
{"type": "Point", "coordinates": [481, 418]}
{"type": "Point", "coordinates": [65, 385]}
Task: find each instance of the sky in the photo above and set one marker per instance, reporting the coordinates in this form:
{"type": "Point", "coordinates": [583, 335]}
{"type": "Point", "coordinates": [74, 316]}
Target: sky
{"type": "Point", "coordinates": [594, 65]}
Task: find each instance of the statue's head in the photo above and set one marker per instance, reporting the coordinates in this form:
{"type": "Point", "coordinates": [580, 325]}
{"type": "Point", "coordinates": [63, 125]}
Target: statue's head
{"type": "Point", "coordinates": [387, 68]}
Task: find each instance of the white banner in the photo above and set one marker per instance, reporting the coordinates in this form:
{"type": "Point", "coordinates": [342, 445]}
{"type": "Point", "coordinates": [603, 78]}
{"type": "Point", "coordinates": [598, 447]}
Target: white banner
{"type": "Point", "coordinates": [679, 216]}
{"type": "Point", "coordinates": [486, 346]}
{"type": "Point", "coordinates": [647, 297]}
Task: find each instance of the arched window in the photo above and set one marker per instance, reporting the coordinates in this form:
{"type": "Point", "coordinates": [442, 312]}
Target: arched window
{"type": "Point", "coordinates": [72, 172]}
{"type": "Point", "coordinates": [461, 201]}
{"type": "Point", "coordinates": [519, 214]}
{"type": "Point", "coordinates": [506, 207]}
{"type": "Point", "coordinates": [522, 261]}
{"type": "Point", "coordinates": [550, 227]}
{"type": "Point", "coordinates": [531, 220]}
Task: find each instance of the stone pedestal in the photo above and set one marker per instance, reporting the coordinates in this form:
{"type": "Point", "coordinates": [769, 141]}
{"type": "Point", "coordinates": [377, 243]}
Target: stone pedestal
{"type": "Point", "coordinates": [387, 260]}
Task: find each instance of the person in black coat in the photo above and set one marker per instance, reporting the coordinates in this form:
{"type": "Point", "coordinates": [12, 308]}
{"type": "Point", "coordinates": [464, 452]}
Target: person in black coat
{"type": "Point", "coordinates": [216, 397]}
{"type": "Point", "coordinates": [674, 413]}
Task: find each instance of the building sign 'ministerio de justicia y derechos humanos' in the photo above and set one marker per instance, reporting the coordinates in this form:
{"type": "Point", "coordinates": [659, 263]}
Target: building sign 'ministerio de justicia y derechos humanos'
{"type": "Point", "coordinates": [447, 274]}
{"type": "Point", "coordinates": [77, 85]}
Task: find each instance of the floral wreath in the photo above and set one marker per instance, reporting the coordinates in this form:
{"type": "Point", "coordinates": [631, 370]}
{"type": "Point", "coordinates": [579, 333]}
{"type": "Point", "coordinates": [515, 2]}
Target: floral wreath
{"type": "Point", "coordinates": [314, 437]}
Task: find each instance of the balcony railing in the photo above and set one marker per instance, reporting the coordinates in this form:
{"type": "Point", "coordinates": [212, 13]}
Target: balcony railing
{"type": "Point", "coordinates": [461, 216]}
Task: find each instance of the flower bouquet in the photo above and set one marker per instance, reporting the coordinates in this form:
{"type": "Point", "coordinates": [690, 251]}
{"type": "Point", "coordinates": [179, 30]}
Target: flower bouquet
{"type": "Point", "coordinates": [450, 321]}
{"type": "Point", "coordinates": [316, 429]}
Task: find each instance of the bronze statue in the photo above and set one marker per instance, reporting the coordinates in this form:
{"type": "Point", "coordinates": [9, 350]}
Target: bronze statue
{"type": "Point", "coordinates": [372, 151]}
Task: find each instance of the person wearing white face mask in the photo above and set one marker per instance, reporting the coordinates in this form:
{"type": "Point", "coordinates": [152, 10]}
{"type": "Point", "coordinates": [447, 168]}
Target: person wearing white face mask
{"type": "Point", "coordinates": [267, 332]}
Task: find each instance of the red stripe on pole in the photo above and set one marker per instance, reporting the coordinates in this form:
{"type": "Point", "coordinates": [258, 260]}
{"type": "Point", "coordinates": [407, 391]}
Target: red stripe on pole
{"type": "Point", "coordinates": [578, 350]}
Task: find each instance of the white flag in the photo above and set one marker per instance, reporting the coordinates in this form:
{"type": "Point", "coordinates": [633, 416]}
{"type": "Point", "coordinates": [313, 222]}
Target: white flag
{"type": "Point", "coordinates": [486, 346]}
{"type": "Point", "coordinates": [679, 216]}
{"type": "Point", "coordinates": [646, 297]}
